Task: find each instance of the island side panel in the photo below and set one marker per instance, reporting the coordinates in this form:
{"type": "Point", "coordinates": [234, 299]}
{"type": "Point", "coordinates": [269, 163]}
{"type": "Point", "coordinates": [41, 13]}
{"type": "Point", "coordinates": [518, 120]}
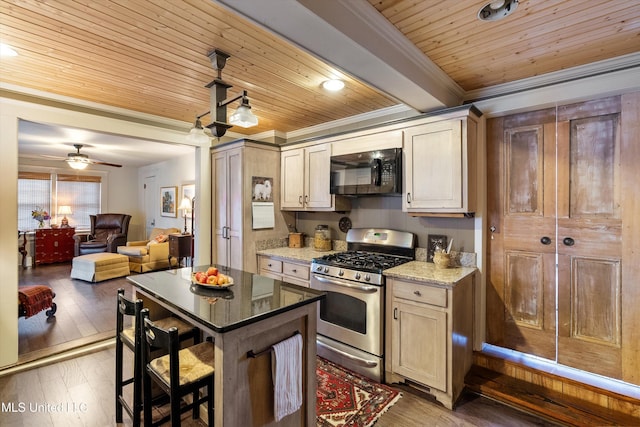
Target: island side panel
{"type": "Point", "coordinates": [244, 386]}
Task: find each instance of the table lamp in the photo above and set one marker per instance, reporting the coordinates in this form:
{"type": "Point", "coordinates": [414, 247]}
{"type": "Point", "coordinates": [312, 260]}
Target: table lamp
{"type": "Point", "coordinates": [185, 205]}
{"type": "Point", "coordinates": [64, 210]}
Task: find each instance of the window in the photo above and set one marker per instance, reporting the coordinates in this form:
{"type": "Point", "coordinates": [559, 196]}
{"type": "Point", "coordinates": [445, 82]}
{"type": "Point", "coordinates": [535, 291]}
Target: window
{"type": "Point", "coordinates": [82, 193]}
{"type": "Point", "coordinates": [36, 189]}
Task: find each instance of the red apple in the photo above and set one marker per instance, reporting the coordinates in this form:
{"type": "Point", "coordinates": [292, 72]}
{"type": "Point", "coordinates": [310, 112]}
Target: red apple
{"type": "Point", "coordinates": [201, 277]}
{"type": "Point", "coordinates": [212, 271]}
{"type": "Point", "coordinates": [212, 280]}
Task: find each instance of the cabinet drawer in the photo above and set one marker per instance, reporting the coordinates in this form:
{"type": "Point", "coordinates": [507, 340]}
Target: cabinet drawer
{"type": "Point", "coordinates": [296, 270]}
{"type": "Point", "coordinates": [271, 265]}
{"type": "Point", "coordinates": [420, 293]}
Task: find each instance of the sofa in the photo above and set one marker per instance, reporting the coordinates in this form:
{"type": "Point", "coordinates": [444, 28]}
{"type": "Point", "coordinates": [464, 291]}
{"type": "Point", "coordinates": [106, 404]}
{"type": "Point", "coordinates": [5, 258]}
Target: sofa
{"type": "Point", "coordinates": [151, 254]}
{"type": "Point", "coordinates": [108, 231]}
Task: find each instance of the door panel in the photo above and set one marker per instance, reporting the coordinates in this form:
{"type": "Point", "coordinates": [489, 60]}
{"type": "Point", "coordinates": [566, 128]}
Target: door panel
{"type": "Point", "coordinates": [524, 171]}
{"type": "Point", "coordinates": [594, 176]}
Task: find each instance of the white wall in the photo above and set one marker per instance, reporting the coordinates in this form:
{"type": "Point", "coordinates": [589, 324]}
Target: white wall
{"type": "Point", "coordinates": [173, 173]}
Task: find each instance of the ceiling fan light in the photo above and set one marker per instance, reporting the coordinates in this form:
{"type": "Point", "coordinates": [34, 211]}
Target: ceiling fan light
{"type": "Point", "coordinates": [333, 85]}
{"type": "Point", "coordinates": [243, 116]}
{"type": "Point", "coordinates": [78, 164]}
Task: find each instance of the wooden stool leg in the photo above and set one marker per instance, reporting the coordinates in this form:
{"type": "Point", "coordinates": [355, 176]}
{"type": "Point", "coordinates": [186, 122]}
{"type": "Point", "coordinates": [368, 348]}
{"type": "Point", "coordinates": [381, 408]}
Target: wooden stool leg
{"type": "Point", "coordinates": [119, 385]}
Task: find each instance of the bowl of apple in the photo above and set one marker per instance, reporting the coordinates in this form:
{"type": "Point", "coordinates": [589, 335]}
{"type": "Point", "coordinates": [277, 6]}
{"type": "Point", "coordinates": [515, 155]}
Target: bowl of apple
{"type": "Point", "coordinates": [212, 278]}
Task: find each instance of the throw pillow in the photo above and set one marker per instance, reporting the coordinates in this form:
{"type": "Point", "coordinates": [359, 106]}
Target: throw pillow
{"type": "Point", "coordinates": [161, 238]}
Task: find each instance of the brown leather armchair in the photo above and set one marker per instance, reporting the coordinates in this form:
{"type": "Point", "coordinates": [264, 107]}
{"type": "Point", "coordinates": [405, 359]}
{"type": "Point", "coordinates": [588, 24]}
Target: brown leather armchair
{"type": "Point", "coordinates": [108, 231]}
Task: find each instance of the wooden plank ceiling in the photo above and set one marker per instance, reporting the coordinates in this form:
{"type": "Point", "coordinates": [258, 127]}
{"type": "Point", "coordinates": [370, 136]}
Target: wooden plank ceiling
{"type": "Point", "coordinates": [151, 55]}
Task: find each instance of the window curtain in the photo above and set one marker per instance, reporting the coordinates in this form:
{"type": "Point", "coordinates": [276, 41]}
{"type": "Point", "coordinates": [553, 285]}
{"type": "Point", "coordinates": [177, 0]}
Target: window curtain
{"type": "Point", "coordinates": [34, 191]}
{"type": "Point", "coordinates": [82, 193]}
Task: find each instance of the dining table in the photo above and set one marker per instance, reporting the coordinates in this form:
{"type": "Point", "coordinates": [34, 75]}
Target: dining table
{"type": "Point", "coordinates": [244, 319]}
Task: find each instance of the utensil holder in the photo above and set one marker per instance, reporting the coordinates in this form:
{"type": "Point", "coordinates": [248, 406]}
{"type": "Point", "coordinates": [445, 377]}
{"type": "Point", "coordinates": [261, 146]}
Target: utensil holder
{"type": "Point", "coordinates": [442, 260]}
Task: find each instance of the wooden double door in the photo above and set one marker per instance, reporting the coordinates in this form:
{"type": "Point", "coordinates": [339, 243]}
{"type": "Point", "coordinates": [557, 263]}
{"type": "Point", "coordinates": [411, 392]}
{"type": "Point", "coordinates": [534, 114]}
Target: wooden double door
{"type": "Point", "coordinates": [563, 280]}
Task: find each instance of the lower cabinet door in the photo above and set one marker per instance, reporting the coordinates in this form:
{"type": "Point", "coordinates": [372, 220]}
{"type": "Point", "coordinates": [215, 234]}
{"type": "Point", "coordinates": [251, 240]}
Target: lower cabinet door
{"type": "Point", "coordinates": [419, 343]}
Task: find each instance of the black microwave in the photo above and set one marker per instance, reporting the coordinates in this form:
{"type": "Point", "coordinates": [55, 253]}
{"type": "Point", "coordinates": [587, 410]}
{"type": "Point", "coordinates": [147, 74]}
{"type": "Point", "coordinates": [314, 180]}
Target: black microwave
{"type": "Point", "coordinates": [368, 173]}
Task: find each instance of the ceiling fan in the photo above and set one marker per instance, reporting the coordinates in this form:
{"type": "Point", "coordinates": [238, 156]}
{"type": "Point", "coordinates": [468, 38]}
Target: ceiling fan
{"type": "Point", "coordinates": [79, 160]}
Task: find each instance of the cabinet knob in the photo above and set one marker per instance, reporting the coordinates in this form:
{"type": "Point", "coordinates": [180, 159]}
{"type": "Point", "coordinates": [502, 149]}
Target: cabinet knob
{"type": "Point", "coordinates": [568, 241]}
{"type": "Point", "coordinates": [545, 240]}
{"type": "Point", "coordinates": [417, 293]}
{"type": "Point", "coordinates": [294, 270]}
{"type": "Point", "coordinates": [269, 265]}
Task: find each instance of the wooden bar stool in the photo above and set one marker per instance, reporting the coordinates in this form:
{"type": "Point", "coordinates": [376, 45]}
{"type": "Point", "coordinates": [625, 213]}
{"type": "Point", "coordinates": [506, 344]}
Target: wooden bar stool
{"type": "Point", "coordinates": [131, 337]}
{"type": "Point", "coordinates": [178, 373]}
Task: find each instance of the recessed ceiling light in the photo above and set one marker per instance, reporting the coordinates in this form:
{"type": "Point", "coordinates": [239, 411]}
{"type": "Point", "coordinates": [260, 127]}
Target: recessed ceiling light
{"type": "Point", "coordinates": [6, 50]}
{"type": "Point", "coordinates": [333, 85]}
{"type": "Point", "coordinates": [495, 10]}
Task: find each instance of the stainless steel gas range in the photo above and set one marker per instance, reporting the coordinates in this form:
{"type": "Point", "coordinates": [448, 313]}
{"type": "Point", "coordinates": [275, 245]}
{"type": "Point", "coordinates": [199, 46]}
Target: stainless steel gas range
{"type": "Point", "coordinates": [351, 317]}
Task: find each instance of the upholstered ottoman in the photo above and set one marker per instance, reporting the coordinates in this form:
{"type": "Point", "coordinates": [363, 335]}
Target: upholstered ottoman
{"type": "Point", "coordinates": [99, 266]}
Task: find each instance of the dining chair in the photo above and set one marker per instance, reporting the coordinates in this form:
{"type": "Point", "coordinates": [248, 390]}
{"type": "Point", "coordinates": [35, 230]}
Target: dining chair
{"type": "Point", "coordinates": [131, 337]}
{"type": "Point", "coordinates": [180, 372]}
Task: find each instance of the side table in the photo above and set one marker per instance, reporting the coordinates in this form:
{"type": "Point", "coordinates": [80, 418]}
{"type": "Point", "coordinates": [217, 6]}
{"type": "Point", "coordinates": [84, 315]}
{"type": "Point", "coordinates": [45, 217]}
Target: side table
{"type": "Point", "coordinates": [180, 247]}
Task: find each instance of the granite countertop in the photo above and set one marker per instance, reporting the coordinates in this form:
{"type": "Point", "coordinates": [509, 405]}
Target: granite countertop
{"type": "Point", "coordinates": [296, 254]}
{"type": "Point", "coordinates": [426, 271]}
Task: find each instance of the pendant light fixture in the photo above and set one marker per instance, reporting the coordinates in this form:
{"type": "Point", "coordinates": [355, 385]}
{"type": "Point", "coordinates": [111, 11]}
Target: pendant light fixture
{"type": "Point", "coordinates": [218, 88]}
{"type": "Point", "coordinates": [197, 134]}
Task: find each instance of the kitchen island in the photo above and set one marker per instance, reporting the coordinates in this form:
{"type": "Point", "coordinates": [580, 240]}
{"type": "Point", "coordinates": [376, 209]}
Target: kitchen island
{"type": "Point", "coordinates": [248, 317]}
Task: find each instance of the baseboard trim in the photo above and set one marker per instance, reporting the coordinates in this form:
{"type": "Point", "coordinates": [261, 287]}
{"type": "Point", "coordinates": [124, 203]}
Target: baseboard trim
{"type": "Point", "coordinates": [550, 396]}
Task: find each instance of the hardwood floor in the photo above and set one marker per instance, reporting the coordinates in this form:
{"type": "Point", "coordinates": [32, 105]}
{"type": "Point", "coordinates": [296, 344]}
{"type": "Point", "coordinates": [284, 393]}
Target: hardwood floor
{"type": "Point", "coordinates": [81, 390]}
{"type": "Point", "coordinates": [86, 312]}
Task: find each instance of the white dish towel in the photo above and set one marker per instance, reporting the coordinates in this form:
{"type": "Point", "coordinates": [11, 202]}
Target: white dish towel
{"type": "Point", "coordinates": [286, 370]}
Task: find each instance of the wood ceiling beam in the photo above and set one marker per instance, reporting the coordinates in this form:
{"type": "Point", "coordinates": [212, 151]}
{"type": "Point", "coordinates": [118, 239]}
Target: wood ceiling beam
{"type": "Point", "coordinates": [371, 49]}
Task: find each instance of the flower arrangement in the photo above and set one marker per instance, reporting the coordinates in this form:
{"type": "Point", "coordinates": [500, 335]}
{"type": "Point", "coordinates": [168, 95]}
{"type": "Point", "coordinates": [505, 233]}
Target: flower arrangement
{"type": "Point", "coordinates": [40, 215]}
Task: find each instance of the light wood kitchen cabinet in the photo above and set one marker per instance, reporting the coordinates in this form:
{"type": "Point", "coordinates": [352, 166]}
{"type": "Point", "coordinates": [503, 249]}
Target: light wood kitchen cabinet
{"type": "Point", "coordinates": [296, 272]}
{"type": "Point", "coordinates": [429, 330]}
{"type": "Point", "coordinates": [306, 180]}
{"type": "Point", "coordinates": [234, 167]}
{"type": "Point", "coordinates": [440, 159]}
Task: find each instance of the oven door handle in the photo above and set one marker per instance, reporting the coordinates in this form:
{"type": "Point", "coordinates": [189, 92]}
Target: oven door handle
{"type": "Point", "coordinates": [360, 361]}
{"type": "Point", "coordinates": [364, 288]}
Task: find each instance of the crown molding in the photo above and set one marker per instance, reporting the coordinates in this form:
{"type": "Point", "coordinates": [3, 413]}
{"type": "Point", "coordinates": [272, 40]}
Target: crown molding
{"type": "Point", "coordinates": [599, 68]}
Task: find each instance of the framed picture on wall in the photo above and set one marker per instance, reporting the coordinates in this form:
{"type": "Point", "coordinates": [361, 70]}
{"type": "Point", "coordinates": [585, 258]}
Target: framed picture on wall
{"type": "Point", "coordinates": [435, 242]}
{"type": "Point", "coordinates": [169, 205]}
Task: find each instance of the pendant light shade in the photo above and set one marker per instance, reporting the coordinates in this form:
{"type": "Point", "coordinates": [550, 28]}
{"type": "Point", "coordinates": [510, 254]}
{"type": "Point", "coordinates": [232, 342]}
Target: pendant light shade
{"type": "Point", "coordinates": [197, 134]}
{"type": "Point", "coordinates": [243, 116]}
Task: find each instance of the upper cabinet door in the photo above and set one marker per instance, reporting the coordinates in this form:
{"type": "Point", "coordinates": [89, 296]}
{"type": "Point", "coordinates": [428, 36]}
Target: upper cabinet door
{"type": "Point", "coordinates": [318, 170]}
{"type": "Point", "coordinates": [440, 165]}
{"type": "Point", "coordinates": [292, 182]}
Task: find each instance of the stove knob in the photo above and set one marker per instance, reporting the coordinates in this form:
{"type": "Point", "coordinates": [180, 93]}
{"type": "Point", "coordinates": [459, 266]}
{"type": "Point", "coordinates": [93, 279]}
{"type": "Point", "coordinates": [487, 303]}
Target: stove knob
{"type": "Point", "coordinates": [367, 277]}
{"type": "Point", "coordinates": [340, 273]}
{"type": "Point", "coordinates": [319, 268]}
{"type": "Point", "coordinates": [357, 276]}
{"type": "Point", "coordinates": [326, 269]}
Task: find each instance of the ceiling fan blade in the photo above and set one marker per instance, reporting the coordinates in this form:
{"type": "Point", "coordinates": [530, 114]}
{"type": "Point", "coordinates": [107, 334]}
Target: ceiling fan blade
{"type": "Point", "coordinates": [52, 157]}
{"type": "Point", "coordinates": [106, 164]}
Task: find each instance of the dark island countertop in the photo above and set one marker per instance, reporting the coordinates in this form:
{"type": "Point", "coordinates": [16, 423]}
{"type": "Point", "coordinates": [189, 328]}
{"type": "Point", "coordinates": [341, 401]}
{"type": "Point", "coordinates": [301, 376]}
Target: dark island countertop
{"type": "Point", "coordinates": [252, 297]}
